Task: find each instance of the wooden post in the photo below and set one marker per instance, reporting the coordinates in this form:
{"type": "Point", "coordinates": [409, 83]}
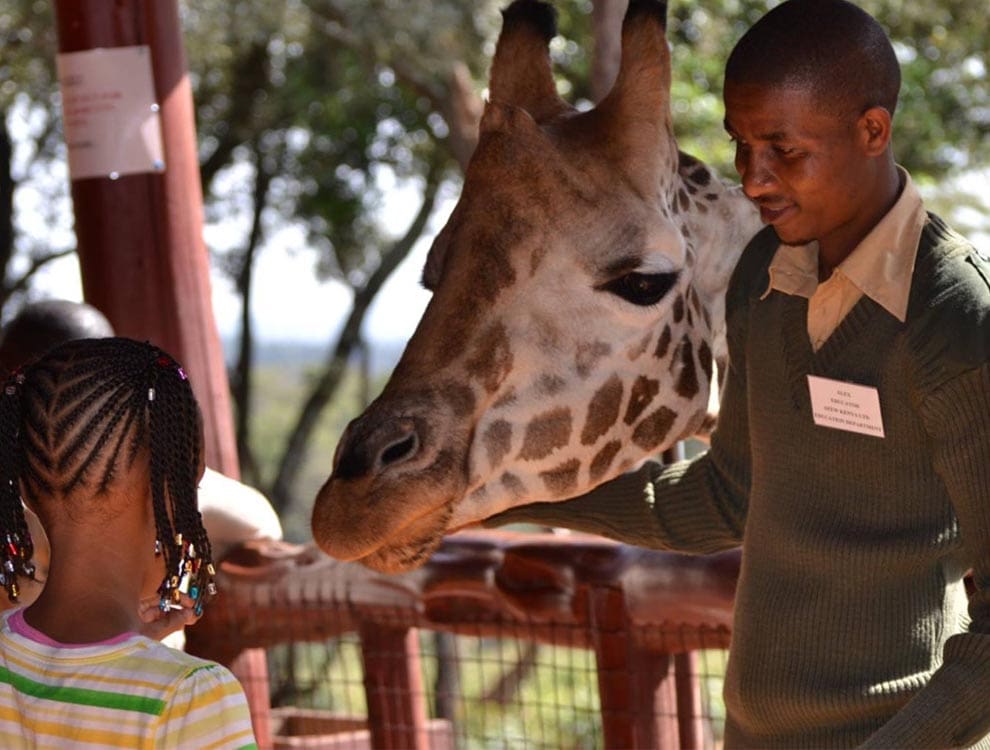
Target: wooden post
{"type": "Point", "coordinates": [140, 243]}
{"type": "Point", "coordinates": [140, 237]}
{"type": "Point", "coordinates": [690, 724]}
{"type": "Point", "coordinates": [393, 685]}
{"type": "Point", "coordinates": [638, 697]}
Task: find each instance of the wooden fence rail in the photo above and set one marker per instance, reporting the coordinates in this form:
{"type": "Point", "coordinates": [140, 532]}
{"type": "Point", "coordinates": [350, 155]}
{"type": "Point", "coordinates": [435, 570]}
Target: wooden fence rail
{"type": "Point", "coordinates": [643, 613]}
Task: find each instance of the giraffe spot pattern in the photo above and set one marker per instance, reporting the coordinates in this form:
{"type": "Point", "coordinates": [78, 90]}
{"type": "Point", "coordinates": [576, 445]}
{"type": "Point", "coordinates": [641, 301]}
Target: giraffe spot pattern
{"type": "Point", "coordinates": [701, 176]}
{"type": "Point", "coordinates": [603, 411]}
{"type": "Point", "coordinates": [497, 441]}
{"type": "Point", "coordinates": [663, 343]}
{"type": "Point", "coordinates": [644, 390]}
{"type": "Point", "coordinates": [550, 385]}
{"type": "Point", "coordinates": [705, 359]}
{"type": "Point", "coordinates": [588, 355]}
{"type": "Point", "coordinates": [545, 433]}
{"type": "Point", "coordinates": [651, 431]}
{"type": "Point", "coordinates": [603, 459]}
{"type": "Point", "coordinates": [678, 311]}
{"type": "Point", "coordinates": [536, 259]}
{"type": "Point", "coordinates": [506, 399]}
{"type": "Point", "coordinates": [687, 380]}
{"type": "Point", "coordinates": [459, 397]}
{"type": "Point", "coordinates": [513, 484]}
{"type": "Point", "coordinates": [492, 359]}
{"type": "Point", "coordinates": [563, 478]}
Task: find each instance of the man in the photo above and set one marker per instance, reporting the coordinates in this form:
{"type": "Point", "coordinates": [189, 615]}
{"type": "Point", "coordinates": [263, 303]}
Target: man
{"type": "Point", "coordinates": [232, 512]}
{"type": "Point", "coordinates": [852, 456]}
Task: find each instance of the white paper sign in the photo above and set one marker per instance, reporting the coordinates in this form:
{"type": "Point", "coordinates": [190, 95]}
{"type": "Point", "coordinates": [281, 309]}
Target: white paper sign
{"type": "Point", "coordinates": [845, 406]}
{"type": "Point", "coordinates": [109, 114]}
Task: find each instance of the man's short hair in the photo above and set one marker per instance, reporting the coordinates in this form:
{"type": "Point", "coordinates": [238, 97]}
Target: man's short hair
{"type": "Point", "coordinates": [831, 48]}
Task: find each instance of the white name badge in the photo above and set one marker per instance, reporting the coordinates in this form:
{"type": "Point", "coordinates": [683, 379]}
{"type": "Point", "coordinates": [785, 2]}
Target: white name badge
{"type": "Point", "coordinates": [845, 406]}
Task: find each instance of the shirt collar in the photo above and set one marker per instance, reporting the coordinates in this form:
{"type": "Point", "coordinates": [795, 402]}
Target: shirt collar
{"type": "Point", "coordinates": [881, 265]}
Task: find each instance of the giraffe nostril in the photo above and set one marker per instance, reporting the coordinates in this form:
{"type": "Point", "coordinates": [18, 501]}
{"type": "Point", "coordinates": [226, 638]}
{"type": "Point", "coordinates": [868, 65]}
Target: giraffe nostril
{"type": "Point", "coordinates": [399, 451]}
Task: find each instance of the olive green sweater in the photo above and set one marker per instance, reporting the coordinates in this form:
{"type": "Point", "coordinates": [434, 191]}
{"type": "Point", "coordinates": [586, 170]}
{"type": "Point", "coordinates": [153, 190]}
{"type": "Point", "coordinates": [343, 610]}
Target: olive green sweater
{"type": "Point", "coordinates": [851, 621]}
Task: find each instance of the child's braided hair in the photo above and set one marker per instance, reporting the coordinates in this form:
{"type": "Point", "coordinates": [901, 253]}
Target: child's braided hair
{"type": "Point", "coordinates": [76, 416]}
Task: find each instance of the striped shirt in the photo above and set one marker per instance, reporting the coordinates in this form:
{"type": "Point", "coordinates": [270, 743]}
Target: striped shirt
{"type": "Point", "coordinates": [128, 692]}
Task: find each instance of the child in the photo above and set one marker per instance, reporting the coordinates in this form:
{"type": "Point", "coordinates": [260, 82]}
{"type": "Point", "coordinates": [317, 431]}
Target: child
{"type": "Point", "coordinates": [103, 440]}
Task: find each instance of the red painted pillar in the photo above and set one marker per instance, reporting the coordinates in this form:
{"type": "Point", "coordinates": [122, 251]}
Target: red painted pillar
{"type": "Point", "coordinates": [142, 256]}
{"type": "Point", "coordinates": [140, 237]}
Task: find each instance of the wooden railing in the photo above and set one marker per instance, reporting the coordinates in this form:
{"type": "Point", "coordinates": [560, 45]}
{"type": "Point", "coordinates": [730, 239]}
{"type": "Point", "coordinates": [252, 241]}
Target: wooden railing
{"type": "Point", "coordinates": [643, 613]}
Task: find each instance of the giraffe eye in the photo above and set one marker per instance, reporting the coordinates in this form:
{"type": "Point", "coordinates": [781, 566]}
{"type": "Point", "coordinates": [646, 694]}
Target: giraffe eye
{"type": "Point", "coordinates": [642, 288]}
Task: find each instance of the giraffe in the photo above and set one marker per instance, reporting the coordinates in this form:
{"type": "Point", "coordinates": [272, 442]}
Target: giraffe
{"type": "Point", "coordinates": [577, 307]}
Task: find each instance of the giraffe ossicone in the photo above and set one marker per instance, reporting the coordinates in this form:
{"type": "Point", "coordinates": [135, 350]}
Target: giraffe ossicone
{"type": "Point", "coordinates": [578, 305]}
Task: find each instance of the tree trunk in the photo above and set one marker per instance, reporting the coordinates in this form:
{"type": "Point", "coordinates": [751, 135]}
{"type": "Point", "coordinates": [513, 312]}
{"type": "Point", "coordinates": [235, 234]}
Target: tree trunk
{"type": "Point", "coordinates": [242, 381]}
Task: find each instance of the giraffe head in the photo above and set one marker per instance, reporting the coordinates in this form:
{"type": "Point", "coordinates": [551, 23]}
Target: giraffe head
{"type": "Point", "coordinates": [577, 308]}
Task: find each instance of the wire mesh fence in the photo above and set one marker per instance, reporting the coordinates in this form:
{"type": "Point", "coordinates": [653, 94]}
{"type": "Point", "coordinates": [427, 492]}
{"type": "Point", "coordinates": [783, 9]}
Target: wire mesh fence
{"type": "Point", "coordinates": [484, 692]}
{"type": "Point", "coordinates": [502, 642]}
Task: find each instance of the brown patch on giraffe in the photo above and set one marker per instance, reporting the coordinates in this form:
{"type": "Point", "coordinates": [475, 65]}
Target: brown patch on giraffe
{"type": "Point", "coordinates": [701, 176]}
{"type": "Point", "coordinates": [492, 273]}
{"type": "Point", "coordinates": [686, 161]}
{"type": "Point", "coordinates": [550, 385]}
{"type": "Point", "coordinates": [563, 478]}
{"type": "Point", "coordinates": [497, 441]}
{"type": "Point", "coordinates": [694, 299]}
{"type": "Point", "coordinates": [644, 390]}
{"type": "Point", "coordinates": [705, 359]}
{"type": "Point", "coordinates": [459, 397]}
{"type": "Point", "coordinates": [513, 484]}
{"type": "Point", "coordinates": [678, 310]}
{"type": "Point", "coordinates": [603, 410]}
{"type": "Point", "coordinates": [492, 358]}
{"type": "Point", "coordinates": [536, 259]}
{"type": "Point", "coordinates": [683, 201]}
{"type": "Point", "coordinates": [687, 380]}
{"type": "Point", "coordinates": [663, 343]}
{"type": "Point", "coordinates": [506, 399]}
{"type": "Point", "coordinates": [702, 208]}
{"type": "Point", "coordinates": [651, 431]}
{"type": "Point", "coordinates": [711, 197]}
{"type": "Point", "coordinates": [635, 352]}
{"type": "Point", "coordinates": [685, 232]}
{"type": "Point", "coordinates": [547, 432]}
{"type": "Point", "coordinates": [588, 356]}
{"type": "Point", "coordinates": [603, 459]}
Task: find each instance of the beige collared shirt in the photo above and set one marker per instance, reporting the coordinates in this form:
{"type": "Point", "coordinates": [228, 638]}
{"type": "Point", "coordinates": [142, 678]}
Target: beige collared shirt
{"type": "Point", "coordinates": [880, 267]}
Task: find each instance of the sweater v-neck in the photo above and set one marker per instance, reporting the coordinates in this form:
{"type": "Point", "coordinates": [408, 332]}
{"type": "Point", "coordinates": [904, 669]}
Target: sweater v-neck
{"type": "Point", "coordinates": [866, 318]}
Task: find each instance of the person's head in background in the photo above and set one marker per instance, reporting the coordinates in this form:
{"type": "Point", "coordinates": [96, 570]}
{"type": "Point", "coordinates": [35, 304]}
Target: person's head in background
{"type": "Point", "coordinates": [103, 440]}
{"type": "Point", "coordinates": [39, 326]}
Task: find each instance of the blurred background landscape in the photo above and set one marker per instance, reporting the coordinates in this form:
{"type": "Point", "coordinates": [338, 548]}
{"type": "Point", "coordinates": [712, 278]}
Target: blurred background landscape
{"type": "Point", "coordinates": [333, 135]}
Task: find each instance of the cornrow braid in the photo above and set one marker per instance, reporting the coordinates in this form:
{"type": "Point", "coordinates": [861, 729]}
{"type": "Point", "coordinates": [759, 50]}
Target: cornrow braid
{"type": "Point", "coordinates": [86, 409]}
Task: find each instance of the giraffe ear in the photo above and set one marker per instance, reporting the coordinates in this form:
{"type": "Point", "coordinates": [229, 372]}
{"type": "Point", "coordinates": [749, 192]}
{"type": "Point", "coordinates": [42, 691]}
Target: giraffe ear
{"type": "Point", "coordinates": [521, 73]}
{"type": "Point", "coordinates": [637, 108]}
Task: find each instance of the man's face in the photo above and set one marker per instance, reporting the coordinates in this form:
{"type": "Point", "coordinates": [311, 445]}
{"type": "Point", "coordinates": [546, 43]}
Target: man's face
{"type": "Point", "coordinates": [802, 165]}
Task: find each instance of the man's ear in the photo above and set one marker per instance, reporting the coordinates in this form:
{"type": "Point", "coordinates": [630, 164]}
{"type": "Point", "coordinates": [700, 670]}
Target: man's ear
{"type": "Point", "coordinates": [875, 130]}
